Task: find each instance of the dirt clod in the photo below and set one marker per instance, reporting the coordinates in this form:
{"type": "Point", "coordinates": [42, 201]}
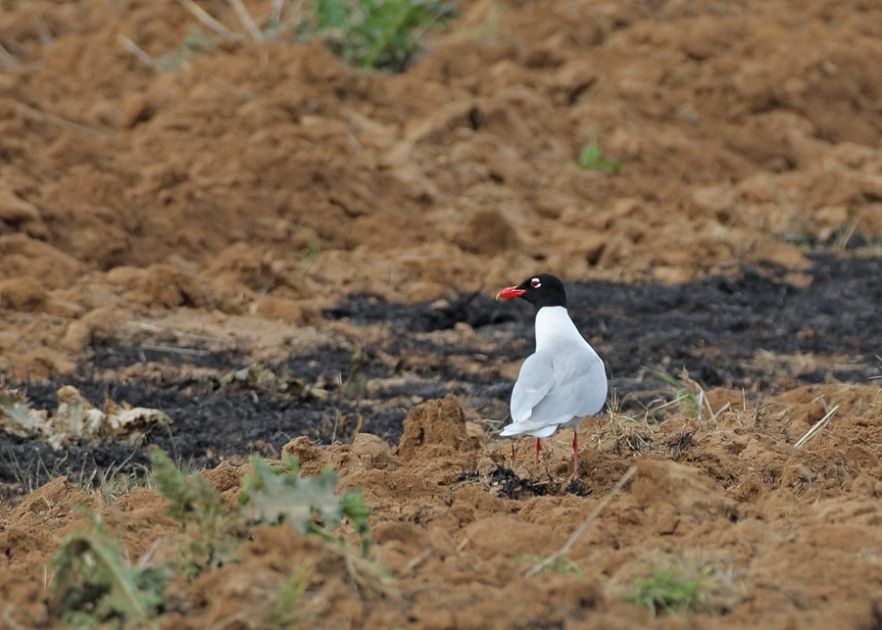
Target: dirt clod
{"type": "Point", "coordinates": [435, 427]}
{"type": "Point", "coordinates": [22, 294]}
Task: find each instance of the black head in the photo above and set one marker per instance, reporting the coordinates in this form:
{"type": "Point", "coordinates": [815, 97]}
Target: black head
{"type": "Point", "coordinates": [540, 290]}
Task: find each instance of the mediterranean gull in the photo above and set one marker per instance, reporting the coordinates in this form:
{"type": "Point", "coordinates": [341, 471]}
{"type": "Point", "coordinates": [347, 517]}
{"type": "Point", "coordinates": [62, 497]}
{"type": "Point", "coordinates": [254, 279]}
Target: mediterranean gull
{"type": "Point", "coordinates": [564, 380]}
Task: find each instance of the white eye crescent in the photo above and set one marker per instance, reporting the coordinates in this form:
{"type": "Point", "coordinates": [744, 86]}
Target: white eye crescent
{"type": "Point", "coordinates": [535, 283]}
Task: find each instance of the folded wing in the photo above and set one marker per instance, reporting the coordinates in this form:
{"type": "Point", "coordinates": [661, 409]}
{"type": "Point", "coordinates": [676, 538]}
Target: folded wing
{"type": "Point", "coordinates": [535, 379]}
{"type": "Point", "coordinates": [553, 388]}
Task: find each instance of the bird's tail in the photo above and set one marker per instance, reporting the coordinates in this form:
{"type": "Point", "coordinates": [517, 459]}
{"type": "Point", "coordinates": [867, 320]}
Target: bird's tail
{"type": "Point", "coordinates": [527, 429]}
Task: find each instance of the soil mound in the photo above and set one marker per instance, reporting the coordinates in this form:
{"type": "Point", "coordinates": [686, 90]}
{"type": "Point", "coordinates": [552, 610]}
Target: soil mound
{"type": "Point", "coordinates": [435, 428]}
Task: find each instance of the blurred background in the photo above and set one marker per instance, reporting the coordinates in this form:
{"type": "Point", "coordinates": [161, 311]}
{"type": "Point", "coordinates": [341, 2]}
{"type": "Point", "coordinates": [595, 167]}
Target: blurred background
{"type": "Point", "coordinates": [268, 158]}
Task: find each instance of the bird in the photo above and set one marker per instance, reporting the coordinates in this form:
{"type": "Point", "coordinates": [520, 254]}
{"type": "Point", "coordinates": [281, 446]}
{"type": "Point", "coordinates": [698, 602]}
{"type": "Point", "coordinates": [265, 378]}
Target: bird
{"type": "Point", "coordinates": [564, 380]}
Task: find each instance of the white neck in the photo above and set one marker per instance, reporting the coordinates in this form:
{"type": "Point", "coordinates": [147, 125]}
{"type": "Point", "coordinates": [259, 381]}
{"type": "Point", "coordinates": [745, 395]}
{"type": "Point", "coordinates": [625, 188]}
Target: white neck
{"type": "Point", "coordinates": [553, 325]}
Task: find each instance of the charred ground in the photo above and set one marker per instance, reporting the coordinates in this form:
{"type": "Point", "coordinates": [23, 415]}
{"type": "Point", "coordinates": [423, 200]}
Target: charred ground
{"type": "Point", "coordinates": [752, 329]}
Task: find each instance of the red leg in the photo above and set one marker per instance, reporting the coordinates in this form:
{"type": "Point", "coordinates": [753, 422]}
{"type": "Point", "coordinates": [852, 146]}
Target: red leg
{"type": "Point", "coordinates": [538, 449]}
{"type": "Point", "coordinates": [575, 453]}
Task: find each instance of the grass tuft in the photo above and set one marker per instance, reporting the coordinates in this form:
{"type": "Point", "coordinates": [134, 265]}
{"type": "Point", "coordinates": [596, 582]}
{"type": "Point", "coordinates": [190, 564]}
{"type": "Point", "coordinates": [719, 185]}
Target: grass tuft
{"type": "Point", "coordinates": [665, 590]}
{"type": "Point", "coordinates": [687, 400]}
{"type": "Point", "coordinates": [673, 584]}
{"type": "Point", "coordinates": [689, 396]}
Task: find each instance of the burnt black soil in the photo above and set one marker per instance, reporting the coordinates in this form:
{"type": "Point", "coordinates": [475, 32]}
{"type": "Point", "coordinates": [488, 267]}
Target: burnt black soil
{"type": "Point", "coordinates": [208, 425]}
{"type": "Point", "coordinates": [715, 328]}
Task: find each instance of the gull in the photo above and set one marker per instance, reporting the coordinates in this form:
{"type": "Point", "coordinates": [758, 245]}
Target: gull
{"type": "Point", "coordinates": [564, 380]}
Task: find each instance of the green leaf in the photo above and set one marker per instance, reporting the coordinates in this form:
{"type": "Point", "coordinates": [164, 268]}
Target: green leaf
{"type": "Point", "coordinates": [667, 378]}
{"type": "Point", "coordinates": [271, 497]}
{"type": "Point", "coordinates": [357, 511]}
{"type": "Point", "coordinates": [308, 504]}
{"type": "Point", "coordinates": [591, 157]}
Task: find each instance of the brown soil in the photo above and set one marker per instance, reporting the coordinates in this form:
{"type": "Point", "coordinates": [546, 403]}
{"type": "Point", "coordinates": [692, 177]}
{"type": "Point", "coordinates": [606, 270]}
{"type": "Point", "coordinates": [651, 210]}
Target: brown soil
{"type": "Point", "coordinates": [745, 130]}
{"type": "Point", "coordinates": [792, 532]}
{"type": "Point", "coordinates": [233, 201]}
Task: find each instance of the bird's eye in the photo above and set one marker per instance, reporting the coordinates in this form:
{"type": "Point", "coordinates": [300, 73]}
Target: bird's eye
{"type": "Point", "coordinates": [535, 283]}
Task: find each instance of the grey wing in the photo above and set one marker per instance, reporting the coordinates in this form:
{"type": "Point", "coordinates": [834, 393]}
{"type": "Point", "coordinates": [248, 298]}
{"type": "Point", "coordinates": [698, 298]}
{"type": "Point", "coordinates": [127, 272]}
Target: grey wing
{"type": "Point", "coordinates": [535, 379]}
{"type": "Point", "coordinates": [580, 389]}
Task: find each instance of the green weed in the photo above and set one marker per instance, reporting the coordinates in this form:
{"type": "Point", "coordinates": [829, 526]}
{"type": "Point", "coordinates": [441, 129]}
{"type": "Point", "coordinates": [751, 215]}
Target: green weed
{"type": "Point", "coordinates": [93, 585]}
{"type": "Point", "coordinates": [666, 590]}
{"type": "Point", "coordinates": [209, 528]}
{"type": "Point", "coordinates": [674, 584]}
{"type": "Point", "coordinates": [370, 34]}
{"type": "Point", "coordinates": [287, 610]}
{"type": "Point", "coordinates": [374, 33]}
{"type": "Point", "coordinates": [309, 504]}
{"type": "Point", "coordinates": [591, 157]}
{"type": "Point", "coordinates": [311, 251]}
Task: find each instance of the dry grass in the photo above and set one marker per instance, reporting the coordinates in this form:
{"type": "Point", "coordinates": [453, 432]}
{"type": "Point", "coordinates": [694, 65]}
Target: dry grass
{"type": "Point", "coordinates": [816, 427]}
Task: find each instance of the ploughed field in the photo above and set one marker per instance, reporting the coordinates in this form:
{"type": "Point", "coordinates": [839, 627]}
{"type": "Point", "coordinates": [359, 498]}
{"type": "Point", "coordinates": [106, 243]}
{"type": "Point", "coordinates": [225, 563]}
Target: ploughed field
{"type": "Point", "coordinates": [256, 248]}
